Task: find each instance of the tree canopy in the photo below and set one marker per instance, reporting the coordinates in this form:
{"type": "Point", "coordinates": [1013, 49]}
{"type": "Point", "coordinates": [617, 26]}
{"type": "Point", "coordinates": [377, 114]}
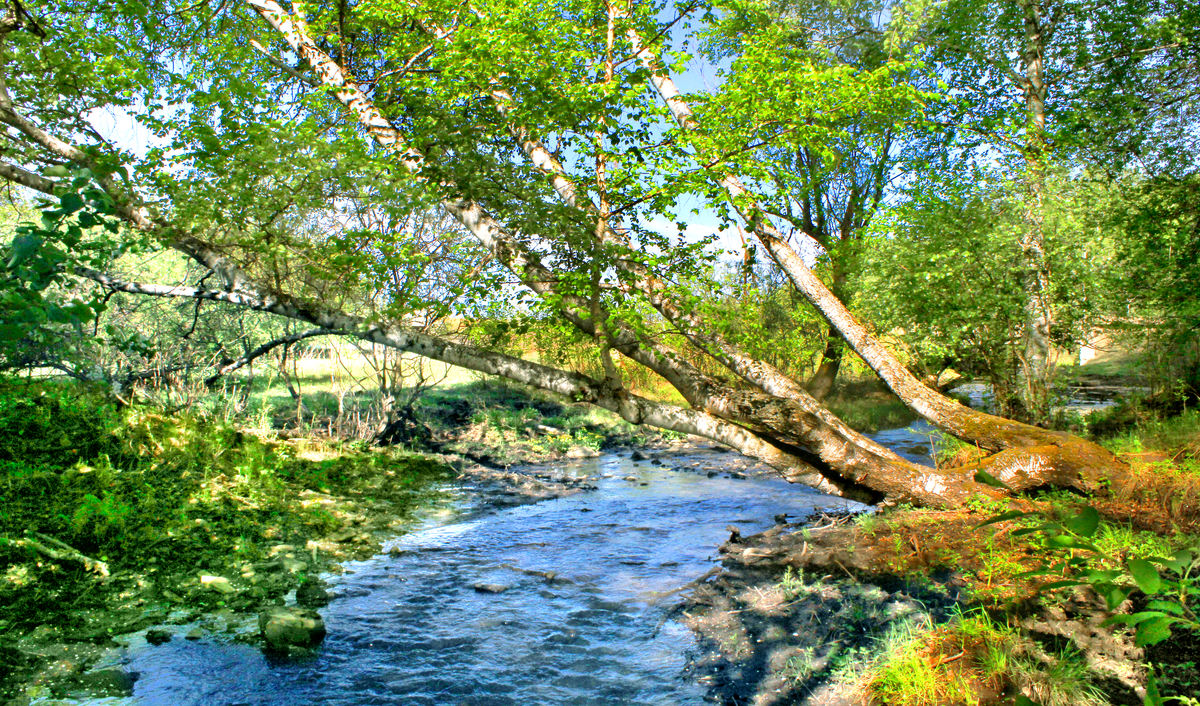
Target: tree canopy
{"type": "Point", "coordinates": [301, 152]}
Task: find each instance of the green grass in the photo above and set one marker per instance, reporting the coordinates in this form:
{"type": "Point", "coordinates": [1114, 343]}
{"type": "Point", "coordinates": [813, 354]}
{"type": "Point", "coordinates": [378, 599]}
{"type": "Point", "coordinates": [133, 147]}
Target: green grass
{"type": "Point", "coordinates": [906, 676]}
{"type": "Point", "coordinates": [871, 414]}
{"type": "Point", "coordinates": [970, 656]}
{"type": "Point", "coordinates": [1132, 426]}
{"type": "Point", "coordinates": [513, 423]}
{"type": "Point", "coordinates": [792, 584]}
{"type": "Point", "coordinates": [162, 494]}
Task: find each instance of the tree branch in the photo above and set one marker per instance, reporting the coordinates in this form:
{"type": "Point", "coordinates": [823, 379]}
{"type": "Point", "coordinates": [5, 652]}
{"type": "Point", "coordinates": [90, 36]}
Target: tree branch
{"type": "Point", "coordinates": [263, 350]}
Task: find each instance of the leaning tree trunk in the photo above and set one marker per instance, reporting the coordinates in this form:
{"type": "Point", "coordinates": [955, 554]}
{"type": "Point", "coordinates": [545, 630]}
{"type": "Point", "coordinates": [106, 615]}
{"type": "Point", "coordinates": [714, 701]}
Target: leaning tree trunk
{"type": "Point", "coordinates": [778, 422]}
{"type": "Point", "coordinates": [1055, 457]}
{"type": "Point", "coordinates": [1043, 463]}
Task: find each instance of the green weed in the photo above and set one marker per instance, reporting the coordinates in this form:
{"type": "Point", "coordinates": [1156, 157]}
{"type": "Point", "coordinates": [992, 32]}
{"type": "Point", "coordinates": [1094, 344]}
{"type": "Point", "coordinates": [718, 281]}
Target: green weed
{"type": "Point", "coordinates": [792, 584]}
{"type": "Point", "coordinates": [1062, 679]}
{"type": "Point", "coordinates": [870, 414]}
{"type": "Point", "coordinates": [972, 655]}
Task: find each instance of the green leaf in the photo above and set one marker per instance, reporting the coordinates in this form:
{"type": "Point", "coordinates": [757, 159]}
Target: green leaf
{"type": "Point", "coordinates": [989, 479]}
{"type": "Point", "coordinates": [1153, 697]}
{"type": "Point", "coordinates": [1166, 606]}
{"type": "Point", "coordinates": [1085, 523]}
{"type": "Point", "coordinates": [1055, 585]}
{"type": "Point", "coordinates": [1096, 576]}
{"type": "Point", "coordinates": [1023, 700]}
{"type": "Point", "coordinates": [1172, 564]}
{"type": "Point", "coordinates": [10, 332]}
{"type": "Point", "coordinates": [1146, 576]}
{"type": "Point", "coordinates": [1066, 541]}
{"type": "Point", "coordinates": [1004, 517]}
{"type": "Point", "coordinates": [56, 171]}
{"type": "Point", "coordinates": [1153, 631]}
{"type": "Point", "coordinates": [1114, 596]}
{"type": "Point", "coordinates": [23, 248]}
{"type": "Point", "coordinates": [71, 202]}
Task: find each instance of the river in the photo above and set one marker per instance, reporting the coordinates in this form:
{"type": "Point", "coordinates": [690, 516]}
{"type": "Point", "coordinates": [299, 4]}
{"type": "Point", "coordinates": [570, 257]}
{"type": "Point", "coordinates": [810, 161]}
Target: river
{"type": "Point", "coordinates": [411, 626]}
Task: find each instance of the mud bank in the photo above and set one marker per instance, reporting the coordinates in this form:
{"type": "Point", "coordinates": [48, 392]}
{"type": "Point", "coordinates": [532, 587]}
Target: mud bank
{"type": "Point", "coordinates": [803, 612]}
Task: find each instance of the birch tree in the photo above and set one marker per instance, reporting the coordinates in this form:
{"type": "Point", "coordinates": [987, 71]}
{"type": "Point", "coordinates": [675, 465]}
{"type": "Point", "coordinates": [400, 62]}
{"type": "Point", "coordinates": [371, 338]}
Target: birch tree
{"type": "Point", "coordinates": [554, 134]}
{"type": "Point", "coordinates": [1033, 83]}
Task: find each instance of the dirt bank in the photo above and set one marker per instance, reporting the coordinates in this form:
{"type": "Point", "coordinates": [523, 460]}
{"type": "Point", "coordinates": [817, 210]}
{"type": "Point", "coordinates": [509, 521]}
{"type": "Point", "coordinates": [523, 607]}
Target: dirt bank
{"type": "Point", "coordinates": [808, 613]}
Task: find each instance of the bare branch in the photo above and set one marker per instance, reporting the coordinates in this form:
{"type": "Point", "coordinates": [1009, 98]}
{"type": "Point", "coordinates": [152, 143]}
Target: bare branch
{"type": "Point", "coordinates": [263, 350]}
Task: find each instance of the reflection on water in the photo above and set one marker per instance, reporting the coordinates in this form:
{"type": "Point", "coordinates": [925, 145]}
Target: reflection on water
{"type": "Point", "coordinates": [410, 628]}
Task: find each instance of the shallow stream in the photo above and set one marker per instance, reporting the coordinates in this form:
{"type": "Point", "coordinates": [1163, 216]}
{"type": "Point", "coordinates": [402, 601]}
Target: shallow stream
{"type": "Point", "coordinates": [410, 627]}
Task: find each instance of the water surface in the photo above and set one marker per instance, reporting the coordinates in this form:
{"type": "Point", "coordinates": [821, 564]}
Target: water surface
{"type": "Point", "coordinates": [411, 628]}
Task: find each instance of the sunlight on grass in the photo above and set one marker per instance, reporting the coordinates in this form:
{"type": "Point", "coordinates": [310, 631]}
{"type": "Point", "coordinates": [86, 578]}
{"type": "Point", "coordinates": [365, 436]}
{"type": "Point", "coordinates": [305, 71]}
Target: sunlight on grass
{"type": "Point", "coordinates": [971, 660]}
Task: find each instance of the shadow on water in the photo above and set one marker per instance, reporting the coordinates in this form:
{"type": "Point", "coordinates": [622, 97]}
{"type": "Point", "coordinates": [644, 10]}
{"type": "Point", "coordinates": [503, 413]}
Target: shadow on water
{"type": "Point", "coordinates": [410, 627]}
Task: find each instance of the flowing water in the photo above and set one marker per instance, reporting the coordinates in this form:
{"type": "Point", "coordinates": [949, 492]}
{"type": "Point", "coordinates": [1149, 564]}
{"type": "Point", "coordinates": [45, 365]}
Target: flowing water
{"type": "Point", "coordinates": [410, 627]}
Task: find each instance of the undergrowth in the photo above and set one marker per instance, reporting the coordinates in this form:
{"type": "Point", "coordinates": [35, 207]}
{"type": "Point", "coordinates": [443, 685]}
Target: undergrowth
{"type": "Point", "coordinates": [509, 423]}
{"type": "Point", "coordinates": [974, 660]}
{"type": "Point", "coordinates": [156, 495]}
{"type": "Point", "coordinates": [867, 406]}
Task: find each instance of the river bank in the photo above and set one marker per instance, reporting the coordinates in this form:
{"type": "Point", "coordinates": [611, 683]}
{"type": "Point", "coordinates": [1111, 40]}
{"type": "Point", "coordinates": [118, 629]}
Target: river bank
{"type": "Point", "coordinates": [909, 606]}
{"type": "Point", "coordinates": [115, 518]}
{"type": "Point", "coordinates": [581, 580]}
{"type": "Point", "coordinates": [797, 614]}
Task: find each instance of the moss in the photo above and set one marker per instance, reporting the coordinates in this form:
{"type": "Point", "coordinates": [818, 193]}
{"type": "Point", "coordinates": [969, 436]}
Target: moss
{"type": "Point", "coordinates": [161, 497]}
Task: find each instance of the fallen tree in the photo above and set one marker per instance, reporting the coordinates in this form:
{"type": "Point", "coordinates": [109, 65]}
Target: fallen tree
{"type": "Point", "coordinates": [583, 264]}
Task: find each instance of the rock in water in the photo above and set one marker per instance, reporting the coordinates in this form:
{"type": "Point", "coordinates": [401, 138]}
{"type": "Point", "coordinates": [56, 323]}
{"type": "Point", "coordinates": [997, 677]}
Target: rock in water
{"type": "Point", "coordinates": [311, 594]}
{"type": "Point", "coordinates": [291, 627]}
{"type": "Point", "coordinates": [490, 588]}
{"type": "Point", "coordinates": [582, 452]}
{"type": "Point", "coordinates": [111, 681]}
{"type": "Point", "coordinates": [637, 456]}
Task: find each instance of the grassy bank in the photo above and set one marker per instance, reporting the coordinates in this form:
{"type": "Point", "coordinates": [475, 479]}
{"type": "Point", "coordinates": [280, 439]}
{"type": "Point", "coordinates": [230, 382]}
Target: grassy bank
{"type": "Point", "coordinates": [1043, 639]}
{"type": "Point", "coordinates": [505, 423]}
{"type": "Point", "coordinates": [110, 515]}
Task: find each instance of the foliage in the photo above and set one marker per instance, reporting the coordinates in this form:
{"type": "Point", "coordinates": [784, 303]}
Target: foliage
{"type": "Point", "coordinates": [944, 277]}
{"type": "Point", "coordinates": [1072, 557]}
{"type": "Point", "coordinates": [1156, 269]}
{"type": "Point", "coordinates": [40, 308]}
{"type": "Point", "coordinates": [162, 495]}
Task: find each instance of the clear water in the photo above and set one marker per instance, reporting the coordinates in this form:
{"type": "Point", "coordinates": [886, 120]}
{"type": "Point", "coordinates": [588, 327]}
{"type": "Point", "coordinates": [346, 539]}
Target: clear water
{"type": "Point", "coordinates": [410, 628]}
{"type": "Point", "coordinates": [913, 442]}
